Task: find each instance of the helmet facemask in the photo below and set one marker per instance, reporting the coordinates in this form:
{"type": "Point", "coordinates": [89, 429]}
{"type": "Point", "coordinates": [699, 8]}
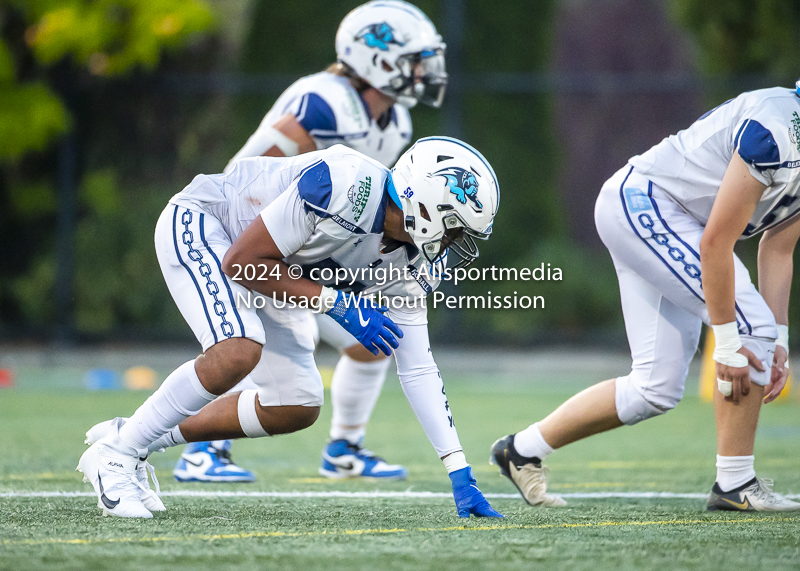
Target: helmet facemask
{"type": "Point", "coordinates": [457, 237]}
{"type": "Point", "coordinates": [422, 79]}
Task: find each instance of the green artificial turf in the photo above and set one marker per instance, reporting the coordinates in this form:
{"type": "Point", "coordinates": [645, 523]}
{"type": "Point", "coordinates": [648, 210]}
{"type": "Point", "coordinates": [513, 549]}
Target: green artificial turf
{"type": "Point", "coordinates": [43, 439]}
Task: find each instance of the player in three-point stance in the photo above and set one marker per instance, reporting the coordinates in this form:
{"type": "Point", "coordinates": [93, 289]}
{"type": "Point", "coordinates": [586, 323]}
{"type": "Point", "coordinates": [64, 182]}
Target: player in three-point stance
{"type": "Point", "coordinates": [670, 219]}
{"type": "Point", "coordinates": [389, 58]}
{"type": "Point", "coordinates": [268, 213]}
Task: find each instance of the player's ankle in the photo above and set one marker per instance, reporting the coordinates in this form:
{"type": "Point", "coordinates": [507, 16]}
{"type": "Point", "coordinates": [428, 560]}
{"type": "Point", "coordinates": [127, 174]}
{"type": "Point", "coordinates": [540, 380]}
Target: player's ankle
{"type": "Point", "coordinates": [531, 444]}
{"type": "Point", "coordinates": [734, 471]}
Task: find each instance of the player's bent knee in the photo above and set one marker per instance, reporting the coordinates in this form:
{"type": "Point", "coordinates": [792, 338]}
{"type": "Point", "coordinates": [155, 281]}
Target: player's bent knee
{"type": "Point", "coordinates": [257, 420]}
{"type": "Point", "coordinates": [286, 419]}
{"type": "Point", "coordinates": [223, 365]}
{"type": "Point", "coordinates": [634, 405]}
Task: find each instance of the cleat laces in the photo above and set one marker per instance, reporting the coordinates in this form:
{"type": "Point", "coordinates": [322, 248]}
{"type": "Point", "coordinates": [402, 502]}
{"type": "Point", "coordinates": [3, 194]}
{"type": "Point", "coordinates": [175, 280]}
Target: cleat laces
{"type": "Point", "coordinates": [142, 471]}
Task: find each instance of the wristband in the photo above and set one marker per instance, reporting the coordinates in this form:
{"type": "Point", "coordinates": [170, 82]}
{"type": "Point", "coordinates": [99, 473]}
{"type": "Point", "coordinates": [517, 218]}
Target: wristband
{"type": "Point", "coordinates": [288, 147]}
{"type": "Point", "coordinates": [783, 337]}
{"type": "Point", "coordinates": [727, 343]}
{"type": "Point", "coordinates": [325, 301]}
{"type": "Point", "coordinates": [455, 461]}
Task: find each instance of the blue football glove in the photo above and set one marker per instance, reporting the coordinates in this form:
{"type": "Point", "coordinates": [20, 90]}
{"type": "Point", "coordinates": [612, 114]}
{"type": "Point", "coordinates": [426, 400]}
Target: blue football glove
{"type": "Point", "coordinates": [469, 499]}
{"type": "Point", "coordinates": [365, 320]}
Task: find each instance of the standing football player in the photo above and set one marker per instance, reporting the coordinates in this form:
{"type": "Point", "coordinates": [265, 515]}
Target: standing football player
{"type": "Point", "coordinates": [389, 58]}
{"type": "Point", "coordinates": [265, 226]}
{"type": "Point", "coordinates": [670, 219]}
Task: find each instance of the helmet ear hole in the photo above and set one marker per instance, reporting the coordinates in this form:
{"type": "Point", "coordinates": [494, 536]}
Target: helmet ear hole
{"type": "Point", "coordinates": [386, 67]}
{"type": "Point", "coordinates": [424, 212]}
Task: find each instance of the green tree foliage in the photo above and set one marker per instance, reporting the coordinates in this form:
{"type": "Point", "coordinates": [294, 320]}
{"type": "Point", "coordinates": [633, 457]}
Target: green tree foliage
{"type": "Point", "coordinates": [106, 37]}
{"type": "Point", "coordinates": [744, 36]}
{"type": "Point", "coordinates": [78, 64]}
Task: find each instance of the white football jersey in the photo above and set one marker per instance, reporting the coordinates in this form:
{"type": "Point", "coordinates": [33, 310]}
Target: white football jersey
{"type": "Point", "coordinates": [763, 127]}
{"type": "Point", "coordinates": [325, 210]}
{"type": "Point", "coordinates": [332, 112]}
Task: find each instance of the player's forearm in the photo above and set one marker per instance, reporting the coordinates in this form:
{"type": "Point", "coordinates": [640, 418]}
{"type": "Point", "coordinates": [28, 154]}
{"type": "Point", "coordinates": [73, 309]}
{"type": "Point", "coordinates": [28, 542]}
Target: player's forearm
{"type": "Point", "coordinates": [425, 394]}
{"type": "Point", "coordinates": [270, 277]}
{"type": "Point", "coordinates": [775, 271]}
{"type": "Point", "coordinates": [718, 282]}
{"type": "Point", "coordinates": [424, 389]}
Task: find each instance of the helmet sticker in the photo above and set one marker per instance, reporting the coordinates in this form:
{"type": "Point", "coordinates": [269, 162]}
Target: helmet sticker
{"type": "Point", "coordinates": [462, 183]}
{"type": "Point", "coordinates": [378, 36]}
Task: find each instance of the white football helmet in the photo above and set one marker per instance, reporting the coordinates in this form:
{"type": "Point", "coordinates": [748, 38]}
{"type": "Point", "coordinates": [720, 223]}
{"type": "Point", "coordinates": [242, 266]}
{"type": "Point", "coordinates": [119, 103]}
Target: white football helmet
{"type": "Point", "coordinates": [449, 196]}
{"type": "Point", "coordinates": [393, 46]}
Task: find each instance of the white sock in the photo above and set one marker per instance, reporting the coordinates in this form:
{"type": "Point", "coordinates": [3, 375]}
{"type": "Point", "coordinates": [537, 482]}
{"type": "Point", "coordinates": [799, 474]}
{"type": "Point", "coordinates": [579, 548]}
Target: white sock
{"type": "Point", "coordinates": [179, 397]}
{"type": "Point", "coordinates": [170, 439]}
{"type": "Point", "coordinates": [354, 391]}
{"type": "Point", "coordinates": [733, 471]}
{"type": "Point", "coordinates": [530, 443]}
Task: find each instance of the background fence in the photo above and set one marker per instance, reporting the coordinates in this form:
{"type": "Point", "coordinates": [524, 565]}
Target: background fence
{"type": "Point", "coordinates": [109, 108]}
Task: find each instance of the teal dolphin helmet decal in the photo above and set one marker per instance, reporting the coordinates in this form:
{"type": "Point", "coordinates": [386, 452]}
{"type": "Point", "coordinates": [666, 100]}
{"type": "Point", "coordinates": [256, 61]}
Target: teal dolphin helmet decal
{"type": "Point", "coordinates": [462, 183]}
{"type": "Point", "coordinates": [379, 36]}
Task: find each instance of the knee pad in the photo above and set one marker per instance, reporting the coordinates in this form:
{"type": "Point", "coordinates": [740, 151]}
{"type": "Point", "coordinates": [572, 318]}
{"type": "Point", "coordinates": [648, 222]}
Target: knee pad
{"type": "Point", "coordinates": [248, 417]}
{"type": "Point", "coordinates": [764, 350]}
{"type": "Point", "coordinates": [635, 405]}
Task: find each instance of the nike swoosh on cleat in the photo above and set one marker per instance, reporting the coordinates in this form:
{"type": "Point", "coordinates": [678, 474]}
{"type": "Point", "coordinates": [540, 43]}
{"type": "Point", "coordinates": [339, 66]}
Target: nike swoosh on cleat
{"type": "Point", "coordinates": [193, 463]}
{"type": "Point", "coordinates": [110, 504]}
{"type": "Point", "coordinates": [348, 466]}
{"type": "Point", "coordinates": [361, 319]}
{"type": "Point", "coordinates": [742, 506]}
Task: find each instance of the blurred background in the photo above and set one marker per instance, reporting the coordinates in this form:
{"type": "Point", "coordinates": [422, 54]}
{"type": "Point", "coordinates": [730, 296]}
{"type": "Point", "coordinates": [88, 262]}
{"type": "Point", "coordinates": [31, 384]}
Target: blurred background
{"type": "Point", "coordinates": [109, 107]}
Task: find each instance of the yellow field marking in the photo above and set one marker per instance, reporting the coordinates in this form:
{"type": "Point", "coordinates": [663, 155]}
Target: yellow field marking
{"type": "Point", "coordinates": [312, 481]}
{"type": "Point", "coordinates": [266, 534]}
{"type": "Point", "coordinates": [636, 464]}
{"type": "Point", "coordinates": [40, 476]}
{"type": "Point", "coordinates": [596, 485]}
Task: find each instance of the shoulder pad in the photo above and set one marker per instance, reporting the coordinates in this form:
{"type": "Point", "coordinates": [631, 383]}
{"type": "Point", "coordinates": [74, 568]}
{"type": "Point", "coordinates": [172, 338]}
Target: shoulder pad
{"type": "Point", "coordinates": [315, 187]}
{"type": "Point", "coordinates": [757, 146]}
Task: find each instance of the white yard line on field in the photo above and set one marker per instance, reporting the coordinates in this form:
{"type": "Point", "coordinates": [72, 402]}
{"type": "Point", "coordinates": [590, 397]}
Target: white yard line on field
{"type": "Point", "coordinates": [399, 495]}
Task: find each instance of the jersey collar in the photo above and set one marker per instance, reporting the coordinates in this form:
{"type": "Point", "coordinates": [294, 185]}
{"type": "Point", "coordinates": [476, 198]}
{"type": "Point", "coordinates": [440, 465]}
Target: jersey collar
{"type": "Point", "coordinates": [392, 192]}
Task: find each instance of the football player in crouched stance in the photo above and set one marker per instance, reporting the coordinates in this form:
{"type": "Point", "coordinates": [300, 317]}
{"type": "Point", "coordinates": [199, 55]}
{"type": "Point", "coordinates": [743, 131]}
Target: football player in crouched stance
{"type": "Point", "coordinates": [275, 219]}
{"type": "Point", "coordinates": [389, 58]}
{"type": "Point", "coordinates": [670, 219]}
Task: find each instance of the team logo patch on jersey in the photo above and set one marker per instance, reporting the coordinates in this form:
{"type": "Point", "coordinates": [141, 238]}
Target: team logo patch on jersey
{"type": "Point", "coordinates": [360, 197]}
{"type": "Point", "coordinates": [379, 36]}
{"type": "Point", "coordinates": [463, 184]}
{"type": "Point", "coordinates": [794, 130]}
{"type": "Point", "coordinates": [637, 200]}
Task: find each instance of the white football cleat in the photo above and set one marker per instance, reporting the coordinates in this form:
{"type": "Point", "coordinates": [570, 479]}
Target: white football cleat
{"type": "Point", "coordinates": [113, 477]}
{"type": "Point", "coordinates": [148, 496]}
{"type": "Point", "coordinates": [755, 495]}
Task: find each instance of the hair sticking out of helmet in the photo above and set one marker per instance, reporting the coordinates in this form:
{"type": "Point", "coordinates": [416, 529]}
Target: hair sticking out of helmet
{"type": "Point", "coordinates": [449, 196]}
{"type": "Point", "coordinates": [395, 48]}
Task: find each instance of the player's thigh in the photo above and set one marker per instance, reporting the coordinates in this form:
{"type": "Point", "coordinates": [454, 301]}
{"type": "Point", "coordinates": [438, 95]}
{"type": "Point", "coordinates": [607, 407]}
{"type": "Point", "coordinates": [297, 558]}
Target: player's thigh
{"type": "Point", "coordinates": [650, 235]}
{"type": "Point", "coordinates": [287, 373]}
{"type": "Point", "coordinates": [663, 338]}
{"type": "Point", "coordinates": [334, 334]}
{"type": "Point", "coordinates": [757, 326]}
{"type": "Point", "coordinates": [190, 246]}
{"type": "Point", "coordinates": [337, 337]}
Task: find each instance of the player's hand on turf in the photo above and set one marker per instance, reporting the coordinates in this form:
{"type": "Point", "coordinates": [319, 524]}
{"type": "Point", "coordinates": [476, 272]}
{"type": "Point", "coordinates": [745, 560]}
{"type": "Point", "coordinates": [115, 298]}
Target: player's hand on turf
{"type": "Point", "coordinates": [365, 320]}
{"type": "Point", "coordinates": [469, 499]}
{"type": "Point", "coordinates": [778, 376]}
{"type": "Point", "coordinates": [739, 377]}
